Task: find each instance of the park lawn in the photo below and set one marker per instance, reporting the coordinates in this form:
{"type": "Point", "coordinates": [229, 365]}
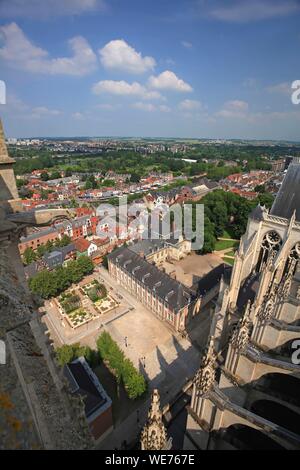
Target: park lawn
{"type": "Point", "coordinates": [227, 233]}
{"type": "Point", "coordinates": [228, 260]}
{"type": "Point", "coordinates": [230, 253]}
{"type": "Point", "coordinates": [225, 244]}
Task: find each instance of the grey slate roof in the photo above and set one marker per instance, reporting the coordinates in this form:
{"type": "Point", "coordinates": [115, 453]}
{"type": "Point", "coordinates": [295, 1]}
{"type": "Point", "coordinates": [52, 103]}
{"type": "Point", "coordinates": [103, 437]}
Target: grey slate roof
{"type": "Point", "coordinates": [65, 250]}
{"type": "Point", "coordinates": [288, 197]}
{"type": "Point", "coordinates": [149, 246]}
{"type": "Point", "coordinates": [76, 223]}
{"type": "Point", "coordinates": [170, 291]}
{"type": "Point", "coordinates": [146, 247]}
{"type": "Point", "coordinates": [53, 259]}
{"type": "Point", "coordinates": [82, 384]}
{"type": "Point", "coordinates": [39, 234]}
{"type": "Point", "coordinates": [57, 257]}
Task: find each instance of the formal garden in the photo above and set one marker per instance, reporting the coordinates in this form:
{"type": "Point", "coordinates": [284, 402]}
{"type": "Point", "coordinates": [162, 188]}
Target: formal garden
{"type": "Point", "coordinates": [71, 307]}
{"type": "Point", "coordinates": [98, 294]}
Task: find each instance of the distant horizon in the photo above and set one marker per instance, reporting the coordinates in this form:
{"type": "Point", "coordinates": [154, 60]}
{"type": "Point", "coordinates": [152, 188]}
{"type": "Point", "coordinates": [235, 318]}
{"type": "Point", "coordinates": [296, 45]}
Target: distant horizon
{"type": "Point", "coordinates": [154, 138]}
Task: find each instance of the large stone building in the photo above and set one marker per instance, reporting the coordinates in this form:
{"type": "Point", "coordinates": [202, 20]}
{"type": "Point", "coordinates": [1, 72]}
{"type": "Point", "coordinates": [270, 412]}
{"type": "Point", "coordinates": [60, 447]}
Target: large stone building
{"type": "Point", "coordinates": [246, 393]}
{"type": "Point", "coordinates": [138, 267]}
{"type": "Point", "coordinates": [167, 298]}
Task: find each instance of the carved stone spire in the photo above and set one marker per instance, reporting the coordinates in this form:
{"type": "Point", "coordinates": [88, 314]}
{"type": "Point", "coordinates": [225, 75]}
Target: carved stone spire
{"type": "Point", "coordinates": [241, 334]}
{"type": "Point", "coordinates": [9, 198]}
{"type": "Point", "coordinates": [4, 158]}
{"type": "Point", "coordinates": [205, 376]}
{"type": "Point", "coordinates": [154, 435]}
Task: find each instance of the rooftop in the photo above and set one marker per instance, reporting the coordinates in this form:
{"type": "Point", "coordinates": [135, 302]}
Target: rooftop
{"type": "Point", "coordinates": [83, 382]}
{"type": "Point", "coordinates": [170, 291]}
{"type": "Point", "coordinates": [288, 198]}
{"type": "Point", "coordinates": [40, 233]}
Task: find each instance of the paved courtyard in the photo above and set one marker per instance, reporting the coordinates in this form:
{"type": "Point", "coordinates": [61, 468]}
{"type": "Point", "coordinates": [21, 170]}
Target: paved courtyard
{"type": "Point", "coordinates": [192, 268]}
{"type": "Point", "coordinates": [166, 360]}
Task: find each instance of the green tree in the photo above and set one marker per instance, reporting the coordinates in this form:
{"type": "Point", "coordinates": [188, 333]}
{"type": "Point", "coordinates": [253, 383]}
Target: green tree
{"type": "Point", "coordinates": [41, 250]}
{"type": "Point", "coordinates": [266, 199]}
{"type": "Point", "coordinates": [44, 284]}
{"type": "Point", "coordinates": [135, 178]}
{"type": "Point", "coordinates": [260, 188]}
{"type": "Point", "coordinates": [49, 245]}
{"type": "Point", "coordinates": [44, 176]}
{"type": "Point", "coordinates": [209, 237]}
{"type": "Point", "coordinates": [123, 369]}
{"type": "Point", "coordinates": [29, 256]}
{"type": "Point", "coordinates": [134, 382]}
{"type": "Point", "coordinates": [21, 182]}
{"type": "Point", "coordinates": [64, 241]}
{"type": "Point", "coordinates": [65, 354]}
{"type": "Point", "coordinates": [69, 352]}
{"type": "Point", "coordinates": [44, 194]}
{"type": "Point", "coordinates": [51, 283]}
{"type": "Point", "coordinates": [55, 175]}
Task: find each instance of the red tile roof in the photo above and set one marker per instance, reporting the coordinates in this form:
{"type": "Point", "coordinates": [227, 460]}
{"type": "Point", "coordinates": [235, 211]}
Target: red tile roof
{"type": "Point", "coordinates": [81, 244]}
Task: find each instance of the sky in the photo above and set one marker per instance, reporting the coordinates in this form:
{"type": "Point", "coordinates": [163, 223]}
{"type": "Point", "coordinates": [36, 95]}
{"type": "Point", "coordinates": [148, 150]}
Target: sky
{"type": "Point", "coordinates": [159, 68]}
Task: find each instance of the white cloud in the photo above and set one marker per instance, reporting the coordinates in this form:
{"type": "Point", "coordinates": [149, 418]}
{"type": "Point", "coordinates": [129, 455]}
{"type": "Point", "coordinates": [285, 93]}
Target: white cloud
{"type": "Point", "coordinates": [144, 106]}
{"type": "Point", "coordinates": [187, 44]}
{"type": "Point", "coordinates": [169, 81]}
{"type": "Point", "coordinates": [149, 107]}
{"type": "Point", "coordinates": [234, 109]}
{"type": "Point", "coordinates": [107, 106]}
{"type": "Point", "coordinates": [22, 54]}
{"type": "Point", "coordinates": [240, 11]}
{"type": "Point", "coordinates": [118, 55]}
{"type": "Point", "coordinates": [164, 109]}
{"type": "Point", "coordinates": [78, 116]}
{"type": "Point", "coordinates": [42, 111]}
{"type": "Point", "coordinates": [189, 105]}
{"type": "Point", "coordinates": [47, 8]}
{"type": "Point", "coordinates": [123, 88]}
{"type": "Point", "coordinates": [284, 88]}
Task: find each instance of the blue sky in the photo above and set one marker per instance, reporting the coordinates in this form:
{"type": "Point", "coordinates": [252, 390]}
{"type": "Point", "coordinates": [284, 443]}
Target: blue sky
{"type": "Point", "coordinates": [173, 68]}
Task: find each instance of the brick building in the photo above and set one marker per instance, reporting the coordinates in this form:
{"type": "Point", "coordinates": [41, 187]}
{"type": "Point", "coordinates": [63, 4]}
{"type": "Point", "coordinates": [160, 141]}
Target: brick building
{"type": "Point", "coordinates": [97, 404]}
{"type": "Point", "coordinates": [37, 239]}
{"type": "Point", "coordinates": [78, 228]}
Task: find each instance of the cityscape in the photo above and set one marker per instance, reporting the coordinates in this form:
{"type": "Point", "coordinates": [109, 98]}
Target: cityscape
{"type": "Point", "coordinates": [149, 243]}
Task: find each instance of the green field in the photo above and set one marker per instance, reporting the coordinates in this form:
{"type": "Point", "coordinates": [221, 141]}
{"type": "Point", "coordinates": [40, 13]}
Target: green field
{"type": "Point", "coordinates": [228, 234]}
{"type": "Point", "coordinates": [230, 253]}
{"type": "Point", "coordinates": [225, 244]}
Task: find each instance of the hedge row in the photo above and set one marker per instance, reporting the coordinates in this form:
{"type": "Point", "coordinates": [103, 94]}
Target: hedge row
{"type": "Point", "coordinates": [123, 369]}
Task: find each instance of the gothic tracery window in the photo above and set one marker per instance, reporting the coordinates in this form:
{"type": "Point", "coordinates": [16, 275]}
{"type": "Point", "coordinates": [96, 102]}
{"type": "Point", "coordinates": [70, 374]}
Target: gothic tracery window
{"type": "Point", "coordinates": [269, 248]}
{"type": "Point", "coordinates": [292, 261]}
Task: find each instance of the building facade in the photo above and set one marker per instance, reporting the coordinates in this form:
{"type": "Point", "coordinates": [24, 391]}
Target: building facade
{"type": "Point", "coordinates": [246, 393]}
{"type": "Point", "coordinates": [167, 298]}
